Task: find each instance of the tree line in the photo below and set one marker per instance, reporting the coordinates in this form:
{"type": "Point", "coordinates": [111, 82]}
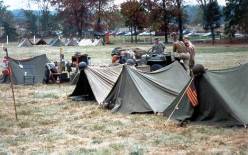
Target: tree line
{"type": "Point", "coordinates": [75, 17]}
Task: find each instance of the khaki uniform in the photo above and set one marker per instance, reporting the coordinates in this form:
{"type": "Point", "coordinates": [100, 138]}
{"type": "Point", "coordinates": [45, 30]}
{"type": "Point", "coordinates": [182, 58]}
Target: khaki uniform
{"type": "Point", "coordinates": [158, 48]}
{"type": "Point", "coordinates": [181, 52]}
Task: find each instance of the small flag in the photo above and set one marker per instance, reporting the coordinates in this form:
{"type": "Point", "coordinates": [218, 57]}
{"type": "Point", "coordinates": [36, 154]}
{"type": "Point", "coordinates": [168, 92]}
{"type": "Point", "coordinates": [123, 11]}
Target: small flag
{"type": "Point", "coordinates": [192, 94]}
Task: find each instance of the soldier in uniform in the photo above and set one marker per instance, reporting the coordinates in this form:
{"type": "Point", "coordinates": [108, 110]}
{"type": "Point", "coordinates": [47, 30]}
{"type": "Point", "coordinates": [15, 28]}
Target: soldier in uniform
{"type": "Point", "coordinates": [180, 52]}
{"type": "Point", "coordinates": [158, 47]}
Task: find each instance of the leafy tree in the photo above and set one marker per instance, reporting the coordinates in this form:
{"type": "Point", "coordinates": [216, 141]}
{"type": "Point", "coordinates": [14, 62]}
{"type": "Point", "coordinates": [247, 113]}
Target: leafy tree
{"type": "Point", "coordinates": [211, 15]}
{"type": "Point", "coordinates": [236, 16]}
{"type": "Point", "coordinates": [31, 21]}
{"type": "Point", "coordinates": [113, 18]}
{"type": "Point", "coordinates": [44, 17]}
{"type": "Point", "coordinates": [160, 15]}
{"type": "Point", "coordinates": [135, 16]}
{"type": "Point", "coordinates": [7, 22]}
{"type": "Point", "coordinates": [76, 13]}
{"type": "Point", "coordinates": [178, 12]}
{"type": "Point", "coordinates": [100, 6]}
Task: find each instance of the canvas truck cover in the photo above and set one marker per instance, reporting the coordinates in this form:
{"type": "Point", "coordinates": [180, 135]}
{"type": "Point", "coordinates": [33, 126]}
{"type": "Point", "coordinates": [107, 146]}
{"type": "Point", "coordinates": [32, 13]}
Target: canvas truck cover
{"type": "Point", "coordinates": [37, 64]}
{"type": "Point", "coordinates": [96, 82]}
{"type": "Point", "coordinates": [223, 98]}
{"type": "Point", "coordinates": [138, 92]}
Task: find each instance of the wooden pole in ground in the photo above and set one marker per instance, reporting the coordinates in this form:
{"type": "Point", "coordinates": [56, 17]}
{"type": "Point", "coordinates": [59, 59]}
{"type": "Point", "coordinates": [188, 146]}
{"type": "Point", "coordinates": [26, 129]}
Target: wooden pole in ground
{"type": "Point", "coordinates": [191, 80]}
{"type": "Point", "coordinates": [11, 83]}
{"type": "Point", "coordinates": [13, 94]}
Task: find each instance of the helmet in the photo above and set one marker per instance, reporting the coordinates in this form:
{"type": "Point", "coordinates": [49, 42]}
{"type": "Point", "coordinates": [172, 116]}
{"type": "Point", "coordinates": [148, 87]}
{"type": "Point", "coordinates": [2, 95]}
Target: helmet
{"type": "Point", "coordinates": [130, 62]}
{"type": "Point", "coordinates": [82, 65]}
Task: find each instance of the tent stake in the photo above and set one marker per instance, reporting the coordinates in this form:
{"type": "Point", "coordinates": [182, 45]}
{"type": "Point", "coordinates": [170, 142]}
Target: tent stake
{"type": "Point", "coordinates": [176, 107]}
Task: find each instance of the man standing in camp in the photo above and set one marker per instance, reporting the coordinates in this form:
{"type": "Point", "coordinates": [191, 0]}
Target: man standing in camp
{"type": "Point", "coordinates": [191, 49]}
{"type": "Point", "coordinates": [180, 51]}
{"type": "Point", "coordinates": [158, 47]}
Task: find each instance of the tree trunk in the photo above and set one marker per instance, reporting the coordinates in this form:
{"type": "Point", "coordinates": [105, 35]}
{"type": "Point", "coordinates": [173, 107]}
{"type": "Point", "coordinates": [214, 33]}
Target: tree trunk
{"type": "Point", "coordinates": [165, 23]}
{"type": "Point", "coordinates": [131, 33]}
{"type": "Point", "coordinates": [151, 36]}
{"type": "Point", "coordinates": [213, 35]}
{"type": "Point", "coordinates": [135, 34]}
{"type": "Point", "coordinates": [180, 20]}
{"type": "Point", "coordinates": [166, 35]}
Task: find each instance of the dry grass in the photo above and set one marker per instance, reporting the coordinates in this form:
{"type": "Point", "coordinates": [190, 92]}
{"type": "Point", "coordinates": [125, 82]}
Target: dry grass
{"type": "Point", "coordinates": [51, 123]}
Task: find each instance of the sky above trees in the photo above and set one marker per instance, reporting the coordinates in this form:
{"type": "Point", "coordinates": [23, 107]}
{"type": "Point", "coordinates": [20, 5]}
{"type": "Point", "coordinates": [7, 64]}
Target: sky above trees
{"type": "Point", "coordinates": [23, 4]}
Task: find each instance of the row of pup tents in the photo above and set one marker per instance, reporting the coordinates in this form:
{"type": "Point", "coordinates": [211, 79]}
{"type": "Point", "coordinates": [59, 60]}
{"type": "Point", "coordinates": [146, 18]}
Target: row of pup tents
{"type": "Point", "coordinates": [33, 68]}
{"type": "Point", "coordinates": [27, 43]}
{"type": "Point", "coordinates": [58, 42]}
{"type": "Point", "coordinates": [221, 94]}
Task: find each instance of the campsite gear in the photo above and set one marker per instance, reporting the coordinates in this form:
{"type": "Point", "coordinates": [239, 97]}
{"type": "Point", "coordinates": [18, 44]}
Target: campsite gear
{"type": "Point", "coordinates": [155, 60]}
{"type": "Point", "coordinates": [52, 74]}
{"type": "Point", "coordinates": [34, 65]}
{"type": "Point", "coordinates": [29, 75]}
{"type": "Point", "coordinates": [222, 96]}
{"type": "Point", "coordinates": [77, 58]}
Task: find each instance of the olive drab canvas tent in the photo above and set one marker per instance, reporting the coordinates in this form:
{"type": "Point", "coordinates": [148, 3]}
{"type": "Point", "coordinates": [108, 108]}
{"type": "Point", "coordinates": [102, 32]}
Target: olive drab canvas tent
{"type": "Point", "coordinates": [56, 42]}
{"type": "Point", "coordinates": [71, 42]}
{"type": "Point", "coordinates": [138, 92]}
{"type": "Point", "coordinates": [125, 89]}
{"type": "Point", "coordinates": [32, 67]}
{"type": "Point", "coordinates": [25, 43]}
{"type": "Point", "coordinates": [41, 42]}
{"type": "Point", "coordinates": [222, 96]}
{"type": "Point", "coordinates": [96, 82]}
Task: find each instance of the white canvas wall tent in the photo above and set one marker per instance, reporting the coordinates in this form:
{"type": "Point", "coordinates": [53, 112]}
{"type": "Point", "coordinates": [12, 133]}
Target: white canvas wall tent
{"type": "Point", "coordinates": [90, 42]}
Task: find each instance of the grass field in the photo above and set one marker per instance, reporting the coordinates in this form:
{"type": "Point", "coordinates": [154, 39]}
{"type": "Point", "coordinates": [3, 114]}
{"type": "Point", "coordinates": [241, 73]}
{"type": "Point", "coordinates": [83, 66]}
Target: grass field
{"type": "Point", "coordinates": [51, 123]}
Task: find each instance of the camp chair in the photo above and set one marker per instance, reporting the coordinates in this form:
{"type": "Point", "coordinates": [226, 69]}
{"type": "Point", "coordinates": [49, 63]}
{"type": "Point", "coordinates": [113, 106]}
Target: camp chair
{"type": "Point", "coordinates": [28, 76]}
